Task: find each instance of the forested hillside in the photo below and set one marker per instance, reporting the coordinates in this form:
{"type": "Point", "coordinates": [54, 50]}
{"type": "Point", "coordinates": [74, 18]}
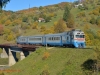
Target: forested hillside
{"type": "Point", "coordinates": [84, 15]}
{"type": "Point", "coordinates": [50, 19]}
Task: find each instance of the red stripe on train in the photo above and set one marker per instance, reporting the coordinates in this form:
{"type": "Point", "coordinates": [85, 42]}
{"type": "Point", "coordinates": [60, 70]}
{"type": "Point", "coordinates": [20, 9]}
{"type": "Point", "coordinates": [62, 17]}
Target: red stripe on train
{"type": "Point", "coordinates": [80, 39]}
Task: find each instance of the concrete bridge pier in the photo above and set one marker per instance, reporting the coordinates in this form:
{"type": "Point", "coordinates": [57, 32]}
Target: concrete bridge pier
{"type": "Point", "coordinates": [22, 56]}
{"type": "Point", "coordinates": [12, 57]}
{"type": "Point", "coordinates": [4, 54]}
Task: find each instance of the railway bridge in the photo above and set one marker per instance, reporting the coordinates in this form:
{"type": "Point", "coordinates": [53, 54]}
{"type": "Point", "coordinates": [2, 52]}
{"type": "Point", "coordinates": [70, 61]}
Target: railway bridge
{"type": "Point", "coordinates": [9, 51]}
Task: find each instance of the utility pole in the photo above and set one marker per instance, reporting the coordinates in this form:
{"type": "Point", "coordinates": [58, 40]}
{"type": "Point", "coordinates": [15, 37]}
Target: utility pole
{"type": "Point", "coordinates": [29, 7]}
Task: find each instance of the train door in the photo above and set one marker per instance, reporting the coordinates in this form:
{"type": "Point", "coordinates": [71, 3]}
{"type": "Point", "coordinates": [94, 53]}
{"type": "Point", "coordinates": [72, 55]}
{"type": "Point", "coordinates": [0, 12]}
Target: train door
{"type": "Point", "coordinates": [61, 40]}
{"type": "Point", "coordinates": [44, 40]}
{"type": "Point", "coordinates": [71, 38]}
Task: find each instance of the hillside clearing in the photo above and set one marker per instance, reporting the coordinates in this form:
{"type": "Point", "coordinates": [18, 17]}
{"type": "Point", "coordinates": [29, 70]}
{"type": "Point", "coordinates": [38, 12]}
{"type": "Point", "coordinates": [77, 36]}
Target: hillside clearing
{"type": "Point", "coordinates": [57, 61]}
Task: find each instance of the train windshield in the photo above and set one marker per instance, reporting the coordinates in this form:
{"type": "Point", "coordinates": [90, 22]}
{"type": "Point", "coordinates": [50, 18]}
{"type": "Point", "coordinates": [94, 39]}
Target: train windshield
{"type": "Point", "coordinates": [79, 36]}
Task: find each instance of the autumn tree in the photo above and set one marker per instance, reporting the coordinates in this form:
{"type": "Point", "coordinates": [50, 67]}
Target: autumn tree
{"type": "Point", "coordinates": [10, 37]}
{"type": "Point", "coordinates": [42, 28]}
{"type": "Point", "coordinates": [60, 26]}
{"type": "Point", "coordinates": [70, 22]}
{"type": "Point", "coordinates": [7, 31]}
{"type": "Point", "coordinates": [35, 25]}
{"type": "Point", "coordinates": [8, 22]}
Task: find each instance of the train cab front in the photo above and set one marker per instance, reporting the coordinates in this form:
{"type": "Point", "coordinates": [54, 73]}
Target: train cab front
{"type": "Point", "coordinates": [79, 41]}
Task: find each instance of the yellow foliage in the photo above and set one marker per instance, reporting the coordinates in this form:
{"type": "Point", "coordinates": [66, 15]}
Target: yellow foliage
{"type": "Point", "coordinates": [60, 26]}
{"type": "Point", "coordinates": [7, 31]}
{"type": "Point", "coordinates": [45, 55]}
{"type": "Point", "coordinates": [48, 31]}
{"type": "Point", "coordinates": [88, 41]}
{"type": "Point", "coordinates": [98, 33]}
{"type": "Point", "coordinates": [42, 28]}
{"type": "Point", "coordinates": [8, 22]}
{"type": "Point", "coordinates": [51, 14]}
{"type": "Point", "coordinates": [10, 37]}
{"type": "Point", "coordinates": [96, 12]}
{"type": "Point", "coordinates": [86, 27]}
{"type": "Point", "coordinates": [35, 25]}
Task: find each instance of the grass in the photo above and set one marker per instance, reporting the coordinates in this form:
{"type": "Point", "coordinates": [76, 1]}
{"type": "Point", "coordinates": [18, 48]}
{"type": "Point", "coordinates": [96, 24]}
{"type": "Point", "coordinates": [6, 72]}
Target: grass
{"type": "Point", "coordinates": [61, 60]}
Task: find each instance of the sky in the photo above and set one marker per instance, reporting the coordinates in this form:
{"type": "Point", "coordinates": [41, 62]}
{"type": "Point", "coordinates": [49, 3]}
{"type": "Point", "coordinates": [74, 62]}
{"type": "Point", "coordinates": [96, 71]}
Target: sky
{"type": "Point", "coordinates": [16, 5]}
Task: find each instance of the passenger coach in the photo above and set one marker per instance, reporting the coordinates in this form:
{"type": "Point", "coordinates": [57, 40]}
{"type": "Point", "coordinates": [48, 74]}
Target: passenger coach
{"type": "Point", "coordinates": [74, 38]}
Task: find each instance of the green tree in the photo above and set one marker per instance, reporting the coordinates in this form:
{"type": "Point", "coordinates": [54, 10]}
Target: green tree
{"type": "Point", "coordinates": [92, 20]}
{"type": "Point", "coordinates": [68, 17]}
{"type": "Point", "coordinates": [25, 19]}
{"type": "Point", "coordinates": [3, 3]}
{"type": "Point", "coordinates": [35, 18]}
{"type": "Point", "coordinates": [47, 19]}
{"type": "Point", "coordinates": [40, 8]}
{"type": "Point", "coordinates": [98, 21]}
{"type": "Point", "coordinates": [66, 14]}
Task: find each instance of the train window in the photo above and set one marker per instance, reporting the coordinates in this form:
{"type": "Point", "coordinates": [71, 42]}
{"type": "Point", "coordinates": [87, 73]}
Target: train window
{"type": "Point", "coordinates": [34, 38]}
{"type": "Point", "coordinates": [81, 36]}
{"type": "Point", "coordinates": [57, 38]}
{"type": "Point", "coordinates": [52, 38]}
{"type": "Point", "coordinates": [49, 38]}
{"type": "Point", "coordinates": [31, 38]}
{"type": "Point", "coordinates": [77, 36]}
{"type": "Point", "coordinates": [22, 39]}
{"type": "Point", "coordinates": [67, 38]}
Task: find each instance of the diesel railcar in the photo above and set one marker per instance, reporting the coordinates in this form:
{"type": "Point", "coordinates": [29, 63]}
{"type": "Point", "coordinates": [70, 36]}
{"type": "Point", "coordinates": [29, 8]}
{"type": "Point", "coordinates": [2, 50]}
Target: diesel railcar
{"type": "Point", "coordinates": [74, 38]}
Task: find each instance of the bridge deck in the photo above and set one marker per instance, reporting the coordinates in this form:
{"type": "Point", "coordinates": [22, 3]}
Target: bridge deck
{"type": "Point", "coordinates": [20, 47]}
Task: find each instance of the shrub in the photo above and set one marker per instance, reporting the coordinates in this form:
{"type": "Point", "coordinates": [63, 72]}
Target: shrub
{"type": "Point", "coordinates": [45, 55]}
{"type": "Point", "coordinates": [45, 72]}
{"type": "Point", "coordinates": [25, 19]}
{"type": "Point", "coordinates": [35, 18]}
{"type": "Point", "coordinates": [95, 12]}
{"type": "Point", "coordinates": [93, 20]}
{"type": "Point", "coordinates": [42, 28]}
{"type": "Point", "coordinates": [10, 37]}
{"type": "Point", "coordinates": [90, 13]}
{"type": "Point", "coordinates": [81, 14]}
{"type": "Point", "coordinates": [98, 21]}
{"type": "Point", "coordinates": [35, 25]}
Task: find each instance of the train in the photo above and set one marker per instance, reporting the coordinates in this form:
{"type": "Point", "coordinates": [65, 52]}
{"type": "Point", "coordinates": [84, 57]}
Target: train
{"type": "Point", "coordinates": [74, 38]}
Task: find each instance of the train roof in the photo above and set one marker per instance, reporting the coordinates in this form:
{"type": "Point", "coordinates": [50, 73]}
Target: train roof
{"type": "Point", "coordinates": [54, 34]}
{"type": "Point", "coordinates": [36, 36]}
{"type": "Point", "coordinates": [31, 36]}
